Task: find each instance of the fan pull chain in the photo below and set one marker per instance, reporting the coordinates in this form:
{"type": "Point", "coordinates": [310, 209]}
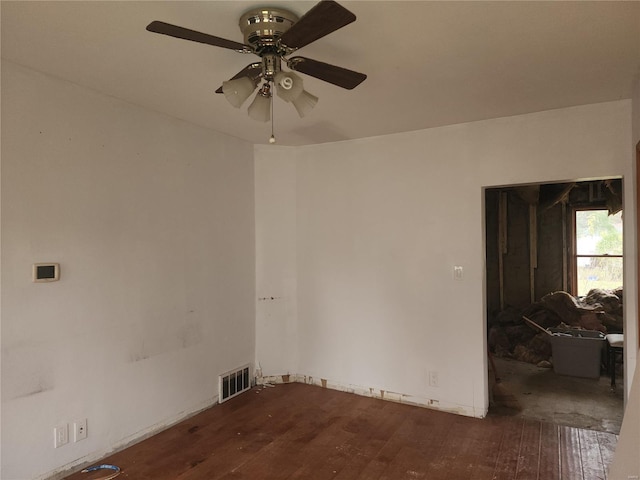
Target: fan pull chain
{"type": "Point", "coordinates": [272, 139]}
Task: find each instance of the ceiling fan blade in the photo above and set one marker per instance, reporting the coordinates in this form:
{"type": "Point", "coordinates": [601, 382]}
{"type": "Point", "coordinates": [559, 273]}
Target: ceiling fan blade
{"type": "Point", "coordinates": [329, 73]}
{"type": "Point", "coordinates": [253, 71]}
{"type": "Point", "coordinates": [325, 17]}
{"type": "Point", "coordinates": [186, 34]}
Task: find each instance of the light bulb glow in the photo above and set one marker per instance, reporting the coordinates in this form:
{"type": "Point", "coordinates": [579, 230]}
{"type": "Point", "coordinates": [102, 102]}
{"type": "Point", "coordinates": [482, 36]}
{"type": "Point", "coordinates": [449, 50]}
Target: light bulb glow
{"type": "Point", "coordinates": [288, 85]}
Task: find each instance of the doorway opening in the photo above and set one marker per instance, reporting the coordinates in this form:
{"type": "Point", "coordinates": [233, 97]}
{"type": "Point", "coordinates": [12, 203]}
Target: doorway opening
{"type": "Point", "coordinates": [554, 290]}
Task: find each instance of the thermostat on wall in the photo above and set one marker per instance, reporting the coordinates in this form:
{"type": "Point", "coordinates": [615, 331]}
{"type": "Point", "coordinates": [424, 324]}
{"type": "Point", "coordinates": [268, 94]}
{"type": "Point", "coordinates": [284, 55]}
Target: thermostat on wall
{"type": "Point", "coordinates": [46, 272]}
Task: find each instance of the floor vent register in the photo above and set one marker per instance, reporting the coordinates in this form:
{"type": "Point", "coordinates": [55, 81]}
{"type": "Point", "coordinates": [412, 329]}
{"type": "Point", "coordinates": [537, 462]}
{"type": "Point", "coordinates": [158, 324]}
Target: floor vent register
{"type": "Point", "coordinates": [234, 382]}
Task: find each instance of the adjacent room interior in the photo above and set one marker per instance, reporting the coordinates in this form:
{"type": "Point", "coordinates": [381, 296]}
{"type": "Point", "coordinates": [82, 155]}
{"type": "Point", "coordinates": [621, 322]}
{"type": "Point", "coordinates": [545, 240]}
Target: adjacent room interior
{"type": "Point", "coordinates": [554, 268]}
{"type": "Point", "coordinates": [160, 255]}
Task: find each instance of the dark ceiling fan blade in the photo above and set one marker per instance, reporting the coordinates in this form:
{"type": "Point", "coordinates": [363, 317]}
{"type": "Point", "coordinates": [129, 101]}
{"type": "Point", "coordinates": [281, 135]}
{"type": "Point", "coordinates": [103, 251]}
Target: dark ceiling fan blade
{"type": "Point", "coordinates": [186, 34]}
{"type": "Point", "coordinates": [329, 73]}
{"type": "Point", "coordinates": [325, 17]}
{"type": "Point", "coordinates": [253, 71]}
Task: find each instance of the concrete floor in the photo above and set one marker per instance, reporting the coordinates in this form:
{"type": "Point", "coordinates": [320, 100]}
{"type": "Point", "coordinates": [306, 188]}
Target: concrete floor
{"type": "Point", "coordinates": [529, 391]}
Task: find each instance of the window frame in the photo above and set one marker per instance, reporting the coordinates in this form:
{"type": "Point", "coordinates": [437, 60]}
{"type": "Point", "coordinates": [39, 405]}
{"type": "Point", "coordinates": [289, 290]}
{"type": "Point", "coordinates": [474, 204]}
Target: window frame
{"type": "Point", "coordinates": [574, 246]}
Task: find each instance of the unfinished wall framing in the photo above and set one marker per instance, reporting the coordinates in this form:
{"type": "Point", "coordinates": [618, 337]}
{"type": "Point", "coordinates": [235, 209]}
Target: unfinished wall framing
{"type": "Point", "coordinates": [531, 265]}
{"type": "Point", "coordinates": [528, 232]}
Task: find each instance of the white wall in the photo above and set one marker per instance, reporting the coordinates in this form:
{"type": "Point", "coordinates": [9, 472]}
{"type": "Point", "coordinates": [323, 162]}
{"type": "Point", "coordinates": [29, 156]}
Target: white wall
{"type": "Point", "coordinates": [626, 461]}
{"type": "Point", "coordinates": [276, 273]}
{"type": "Point", "coordinates": [381, 222]}
{"type": "Point", "coordinates": [152, 222]}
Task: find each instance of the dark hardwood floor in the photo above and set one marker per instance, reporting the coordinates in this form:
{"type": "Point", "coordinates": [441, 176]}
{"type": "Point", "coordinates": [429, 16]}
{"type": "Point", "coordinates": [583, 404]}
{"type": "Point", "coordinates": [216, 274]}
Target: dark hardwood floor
{"type": "Point", "coordinates": [298, 431]}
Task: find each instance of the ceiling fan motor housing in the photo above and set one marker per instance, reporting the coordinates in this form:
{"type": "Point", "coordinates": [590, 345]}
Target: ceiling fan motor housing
{"type": "Point", "coordinates": [262, 27]}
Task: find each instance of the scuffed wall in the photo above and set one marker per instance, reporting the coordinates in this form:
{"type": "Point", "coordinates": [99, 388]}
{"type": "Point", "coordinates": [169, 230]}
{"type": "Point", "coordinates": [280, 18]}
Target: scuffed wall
{"type": "Point", "coordinates": [152, 222]}
{"type": "Point", "coordinates": [382, 222]}
{"type": "Point", "coordinates": [276, 266]}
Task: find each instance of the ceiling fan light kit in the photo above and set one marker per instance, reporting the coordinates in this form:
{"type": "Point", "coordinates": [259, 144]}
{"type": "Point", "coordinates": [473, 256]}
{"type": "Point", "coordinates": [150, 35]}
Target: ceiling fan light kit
{"type": "Point", "coordinates": [305, 103]}
{"type": "Point", "coordinates": [273, 34]}
{"type": "Point", "coordinates": [237, 91]}
{"type": "Point", "coordinates": [260, 108]}
{"type": "Point", "coordinates": [289, 86]}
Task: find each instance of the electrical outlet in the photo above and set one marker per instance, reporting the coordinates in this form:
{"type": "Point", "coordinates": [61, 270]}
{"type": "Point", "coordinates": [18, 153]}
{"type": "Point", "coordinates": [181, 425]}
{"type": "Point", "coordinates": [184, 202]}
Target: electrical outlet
{"type": "Point", "coordinates": [433, 378]}
{"type": "Point", "coordinates": [60, 435]}
{"type": "Point", "coordinates": [79, 430]}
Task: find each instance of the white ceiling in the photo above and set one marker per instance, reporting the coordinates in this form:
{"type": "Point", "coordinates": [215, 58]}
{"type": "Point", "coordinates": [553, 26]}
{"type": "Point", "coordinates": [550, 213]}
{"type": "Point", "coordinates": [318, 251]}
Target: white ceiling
{"type": "Point", "coordinates": [428, 63]}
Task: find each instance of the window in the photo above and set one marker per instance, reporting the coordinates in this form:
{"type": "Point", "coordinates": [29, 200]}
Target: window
{"type": "Point", "coordinates": [598, 250]}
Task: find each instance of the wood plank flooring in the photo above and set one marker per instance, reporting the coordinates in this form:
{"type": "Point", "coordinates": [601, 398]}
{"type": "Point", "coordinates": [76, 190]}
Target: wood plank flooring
{"type": "Point", "coordinates": [298, 431]}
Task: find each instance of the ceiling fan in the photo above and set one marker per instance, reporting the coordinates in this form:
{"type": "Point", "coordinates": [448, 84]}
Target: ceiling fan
{"type": "Point", "coordinates": [273, 34]}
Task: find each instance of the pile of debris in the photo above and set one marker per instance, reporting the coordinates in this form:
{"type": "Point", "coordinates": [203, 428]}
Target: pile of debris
{"type": "Point", "coordinates": [510, 336]}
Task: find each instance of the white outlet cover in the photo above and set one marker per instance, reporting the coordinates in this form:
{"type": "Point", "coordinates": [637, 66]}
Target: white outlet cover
{"type": "Point", "coordinates": [60, 436]}
{"type": "Point", "coordinates": [79, 430]}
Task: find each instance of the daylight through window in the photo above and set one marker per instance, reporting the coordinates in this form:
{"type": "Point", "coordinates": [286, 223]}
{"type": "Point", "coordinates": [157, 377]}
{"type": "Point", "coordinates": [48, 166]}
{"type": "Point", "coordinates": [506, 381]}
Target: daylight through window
{"type": "Point", "coordinates": [598, 250]}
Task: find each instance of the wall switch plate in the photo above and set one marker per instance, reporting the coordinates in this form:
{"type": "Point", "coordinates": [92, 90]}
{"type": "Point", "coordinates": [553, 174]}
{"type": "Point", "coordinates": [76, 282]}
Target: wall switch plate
{"type": "Point", "coordinates": [458, 272]}
{"type": "Point", "coordinates": [79, 430]}
{"type": "Point", "coordinates": [60, 435]}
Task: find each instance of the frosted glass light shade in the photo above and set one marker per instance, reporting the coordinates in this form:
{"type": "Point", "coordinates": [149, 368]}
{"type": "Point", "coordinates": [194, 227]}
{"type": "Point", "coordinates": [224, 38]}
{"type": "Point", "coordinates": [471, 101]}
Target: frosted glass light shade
{"type": "Point", "coordinates": [288, 85]}
{"type": "Point", "coordinates": [238, 90]}
{"type": "Point", "coordinates": [305, 103]}
{"type": "Point", "coordinates": [260, 108]}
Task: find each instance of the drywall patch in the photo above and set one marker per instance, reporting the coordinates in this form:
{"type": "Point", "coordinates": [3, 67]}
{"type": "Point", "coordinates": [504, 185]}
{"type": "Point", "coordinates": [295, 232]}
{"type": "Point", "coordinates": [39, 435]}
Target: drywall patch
{"type": "Point", "coordinates": [324, 382]}
{"type": "Point", "coordinates": [286, 378]}
{"type": "Point", "coordinates": [393, 396]}
{"type": "Point", "coordinates": [272, 379]}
